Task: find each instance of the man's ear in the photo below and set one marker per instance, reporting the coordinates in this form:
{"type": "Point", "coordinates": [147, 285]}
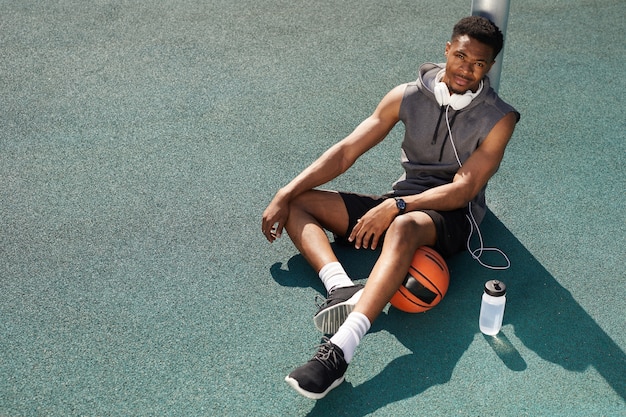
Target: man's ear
{"type": "Point", "coordinates": [448, 45]}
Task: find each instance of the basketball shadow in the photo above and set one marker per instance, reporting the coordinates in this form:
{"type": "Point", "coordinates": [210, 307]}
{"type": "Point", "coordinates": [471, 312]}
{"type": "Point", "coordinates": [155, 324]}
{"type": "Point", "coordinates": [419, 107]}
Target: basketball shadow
{"type": "Point", "coordinates": [543, 314]}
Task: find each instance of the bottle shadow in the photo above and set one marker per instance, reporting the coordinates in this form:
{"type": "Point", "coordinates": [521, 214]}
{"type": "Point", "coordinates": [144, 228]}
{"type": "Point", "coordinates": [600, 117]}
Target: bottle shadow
{"type": "Point", "coordinates": [544, 315]}
{"type": "Point", "coordinates": [505, 350]}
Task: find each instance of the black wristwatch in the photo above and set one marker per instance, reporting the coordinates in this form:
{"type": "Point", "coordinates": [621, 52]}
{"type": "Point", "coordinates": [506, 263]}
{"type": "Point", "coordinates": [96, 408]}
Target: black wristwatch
{"type": "Point", "coordinates": [400, 204]}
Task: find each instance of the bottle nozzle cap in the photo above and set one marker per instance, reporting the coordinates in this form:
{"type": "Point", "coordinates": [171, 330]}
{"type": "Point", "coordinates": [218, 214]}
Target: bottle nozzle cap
{"type": "Point", "coordinates": [495, 288]}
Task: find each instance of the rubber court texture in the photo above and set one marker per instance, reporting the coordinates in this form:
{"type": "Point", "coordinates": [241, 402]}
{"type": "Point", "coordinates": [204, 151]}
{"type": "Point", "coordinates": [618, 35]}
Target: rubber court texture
{"type": "Point", "coordinates": [141, 140]}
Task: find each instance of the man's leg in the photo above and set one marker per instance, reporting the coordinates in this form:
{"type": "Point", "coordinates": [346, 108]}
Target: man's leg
{"type": "Point", "coordinates": [326, 369]}
{"type": "Point", "coordinates": [405, 235]}
{"type": "Point", "coordinates": [311, 213]}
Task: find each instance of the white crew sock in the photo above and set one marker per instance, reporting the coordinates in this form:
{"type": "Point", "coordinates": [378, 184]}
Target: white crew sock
{"type": "Point", "coordinates": [334, 276]}
{"type": "Point", "coordinates": [350, 334]}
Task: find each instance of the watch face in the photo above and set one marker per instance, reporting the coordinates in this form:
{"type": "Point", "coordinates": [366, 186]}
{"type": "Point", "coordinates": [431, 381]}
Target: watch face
{"type": "Point", "coordinates": [400, 204]}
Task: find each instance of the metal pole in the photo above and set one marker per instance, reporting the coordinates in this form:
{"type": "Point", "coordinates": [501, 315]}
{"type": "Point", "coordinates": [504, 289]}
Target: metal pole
{"type": "Point", "coordinates": [498, 12]}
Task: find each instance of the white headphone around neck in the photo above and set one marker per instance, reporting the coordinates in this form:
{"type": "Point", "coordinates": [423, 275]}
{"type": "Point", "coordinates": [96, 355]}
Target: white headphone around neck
{"type": "Point", "coordinates": [456, 101]}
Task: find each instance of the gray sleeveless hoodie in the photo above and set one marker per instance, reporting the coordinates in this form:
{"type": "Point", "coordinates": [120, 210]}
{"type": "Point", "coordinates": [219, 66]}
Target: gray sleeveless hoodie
{"type": "Point", "coordinates": [427, 154]}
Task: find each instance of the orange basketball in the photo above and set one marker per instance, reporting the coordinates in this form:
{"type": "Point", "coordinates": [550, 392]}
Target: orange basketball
{"type": "Point", "coordinates": [425, 284]}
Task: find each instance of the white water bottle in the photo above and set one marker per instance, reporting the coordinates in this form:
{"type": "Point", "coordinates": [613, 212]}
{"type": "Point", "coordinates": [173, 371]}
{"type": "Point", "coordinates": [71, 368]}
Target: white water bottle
{"type": "Point", "coordinates": [492, 307]}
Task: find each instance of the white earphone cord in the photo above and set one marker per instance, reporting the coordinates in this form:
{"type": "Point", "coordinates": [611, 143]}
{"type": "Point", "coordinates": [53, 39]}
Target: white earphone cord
{"type": "Point", "coordinates": [478, 252]}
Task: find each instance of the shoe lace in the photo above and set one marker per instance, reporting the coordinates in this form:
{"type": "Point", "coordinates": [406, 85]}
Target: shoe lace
{"type": "Point", "coordinates": [327, 354]}
{"type": "Point", "coordinates": [320, 301]}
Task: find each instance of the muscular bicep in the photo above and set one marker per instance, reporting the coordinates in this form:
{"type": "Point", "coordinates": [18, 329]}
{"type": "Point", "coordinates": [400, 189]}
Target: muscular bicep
{"type": "Point", "coordinates": [484, 162]}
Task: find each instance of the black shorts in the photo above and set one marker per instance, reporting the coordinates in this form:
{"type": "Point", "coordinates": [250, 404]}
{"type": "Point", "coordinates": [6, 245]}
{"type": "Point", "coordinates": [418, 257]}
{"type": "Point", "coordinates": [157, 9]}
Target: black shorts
{"type": "Point", "coordinates": [452, 227]}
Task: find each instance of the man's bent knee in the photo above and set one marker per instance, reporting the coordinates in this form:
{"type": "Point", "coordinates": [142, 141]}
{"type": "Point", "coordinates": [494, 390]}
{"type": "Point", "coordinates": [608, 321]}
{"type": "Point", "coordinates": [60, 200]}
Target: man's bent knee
{"type": "Point", "coordinates": [415, 229]}
{"type": "Point", "coordinates": [325, 207]}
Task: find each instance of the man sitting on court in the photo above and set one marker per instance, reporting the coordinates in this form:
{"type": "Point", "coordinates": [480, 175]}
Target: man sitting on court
{"type": "Point", "coordinates": [456, 131]}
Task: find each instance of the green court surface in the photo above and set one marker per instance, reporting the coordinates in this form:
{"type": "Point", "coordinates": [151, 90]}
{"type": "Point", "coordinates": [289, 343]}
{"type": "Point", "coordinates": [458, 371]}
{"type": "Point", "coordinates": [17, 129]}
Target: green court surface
{"type": "Point", "coordinates": [141, 141]}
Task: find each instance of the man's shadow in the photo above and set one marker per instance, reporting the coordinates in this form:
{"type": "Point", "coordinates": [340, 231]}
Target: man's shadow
{"type": "Point", "coordinates": [543, 314]}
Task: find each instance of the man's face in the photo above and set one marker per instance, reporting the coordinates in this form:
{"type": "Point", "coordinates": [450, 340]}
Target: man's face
{"type": "Point", "coordinates": [468, 61]}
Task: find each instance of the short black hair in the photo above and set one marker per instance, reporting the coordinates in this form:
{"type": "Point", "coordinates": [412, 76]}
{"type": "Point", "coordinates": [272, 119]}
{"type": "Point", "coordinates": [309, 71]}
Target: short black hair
{"type": "Point", "coordinates": [481, 29]}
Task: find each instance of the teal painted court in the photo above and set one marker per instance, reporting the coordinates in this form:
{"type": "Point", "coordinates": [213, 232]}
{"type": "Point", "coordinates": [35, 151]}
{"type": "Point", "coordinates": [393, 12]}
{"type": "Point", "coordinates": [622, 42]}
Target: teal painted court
{"type": "Point", "coordinates": [141, 141]}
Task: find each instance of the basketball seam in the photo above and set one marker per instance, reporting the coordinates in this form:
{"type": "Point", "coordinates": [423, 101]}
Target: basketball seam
{"type": "Point", "coordinates": [403, 289]}
{"type": "Point", "coordinates": [444, 268]}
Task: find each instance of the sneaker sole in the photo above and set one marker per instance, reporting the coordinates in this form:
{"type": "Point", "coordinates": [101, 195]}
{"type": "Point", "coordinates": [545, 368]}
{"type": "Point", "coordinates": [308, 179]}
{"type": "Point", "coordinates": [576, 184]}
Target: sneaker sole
{"type": "Point", "coordinates": [329, 320]}
{"type": "Point", "coordinates": [312, 395]}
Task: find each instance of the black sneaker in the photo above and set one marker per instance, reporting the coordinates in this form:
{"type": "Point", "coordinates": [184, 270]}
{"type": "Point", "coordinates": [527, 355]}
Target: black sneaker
{"type": "Point", "coordinates": [335, 309]}
{"type": "Point", "coordinates": [322, 373]}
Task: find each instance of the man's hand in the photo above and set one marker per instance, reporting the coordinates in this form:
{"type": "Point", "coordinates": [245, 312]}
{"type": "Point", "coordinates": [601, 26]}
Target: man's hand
{"type": "Point", "coordinates": [373, 225]}
{"type": "Point", "coordinates": [275, 217]}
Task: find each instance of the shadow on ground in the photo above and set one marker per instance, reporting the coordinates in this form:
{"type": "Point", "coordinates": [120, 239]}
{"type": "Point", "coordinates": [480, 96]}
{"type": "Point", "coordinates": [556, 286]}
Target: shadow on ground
{"type": "Point", "coordinates": [544, 315]}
